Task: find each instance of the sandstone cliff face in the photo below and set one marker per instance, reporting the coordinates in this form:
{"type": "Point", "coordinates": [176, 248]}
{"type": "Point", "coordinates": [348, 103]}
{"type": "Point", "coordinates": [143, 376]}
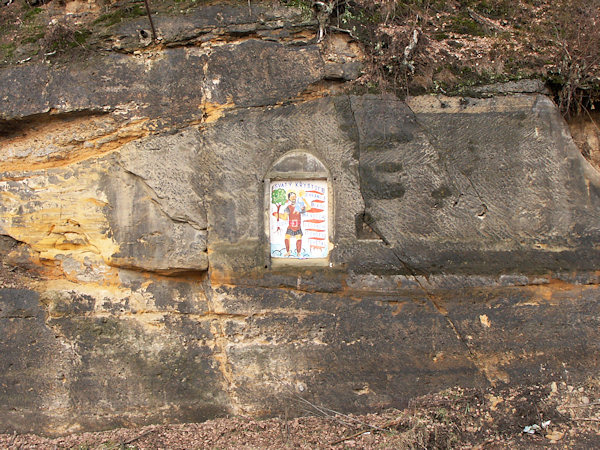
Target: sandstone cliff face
{"type": "Point", "coordinates": [464, 233]}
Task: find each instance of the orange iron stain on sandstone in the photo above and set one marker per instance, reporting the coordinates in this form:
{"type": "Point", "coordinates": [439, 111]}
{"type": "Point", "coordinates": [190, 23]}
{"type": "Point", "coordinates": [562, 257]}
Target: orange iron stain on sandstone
{"type": "Point", "coordinates": [214, 111]}
{"type": "Point", "coordinates": [61, 142]}
{"type": "Point", "coordinates": [554, 292]}
{"type": "Point", "coordinates": [60, 221]}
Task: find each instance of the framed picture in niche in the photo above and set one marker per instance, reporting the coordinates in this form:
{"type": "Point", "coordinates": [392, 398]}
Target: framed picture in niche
{"type": "Point", "coordinates": [298, 219]}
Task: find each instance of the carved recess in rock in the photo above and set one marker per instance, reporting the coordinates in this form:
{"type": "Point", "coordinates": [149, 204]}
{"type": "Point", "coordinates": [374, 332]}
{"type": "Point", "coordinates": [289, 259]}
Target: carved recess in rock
{"type": "Point", "coordinates": [303, 175]}
{"type": "Point", "coordinates": [298, 164]}
{"type": "Point", "coordinates": [236, 152]}
{"type": "Point", "coordinates": [451, 185]}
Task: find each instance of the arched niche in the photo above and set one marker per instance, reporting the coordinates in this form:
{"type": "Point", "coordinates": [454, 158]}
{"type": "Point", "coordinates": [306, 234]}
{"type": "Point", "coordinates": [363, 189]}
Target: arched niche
{"type": "Point", "coordinates": [299, 212]}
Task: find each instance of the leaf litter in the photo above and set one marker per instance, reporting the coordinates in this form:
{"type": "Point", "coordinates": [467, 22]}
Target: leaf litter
{"type": "Point", "coordinates": [561, 415]}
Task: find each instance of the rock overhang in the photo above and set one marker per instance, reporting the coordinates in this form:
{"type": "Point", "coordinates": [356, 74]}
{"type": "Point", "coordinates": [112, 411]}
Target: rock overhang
{"type": "Point", "coordinates": [137, 196]}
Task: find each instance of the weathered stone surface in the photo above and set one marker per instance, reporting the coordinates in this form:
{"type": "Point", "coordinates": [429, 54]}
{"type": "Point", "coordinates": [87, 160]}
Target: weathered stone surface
{"type": "Point", "coordinates": [83, 219]}
{"type": "Point", "coordinates": [369, 332]}
{"type": "Point", "coordinates": [57, 140]}
{"type": "Point", "coordinates": [514, 87]}
{"type": "Point", "coordinates": [587, 136]}
{"type": "Point", "coordinates": [132, 185]}
{"type": "Point", "coordinates": [34, 362]}
{"type": "Point", "coordinates": [130, 370]}
{"type": "Point", "coordinates": [145, 85]}
{"type": "Point", "coordinates": [92, 360]}
{"type": "Point", "coordinates": [357, 351]}
{"type": "Point", "coordinates": [438, 176]}
{"type": "Point", "coordinates": [527, 333]}
{"type": "Point", "coordinates": [212, 22]}
{"type": "Point", "coordinates": [166, 164]}
{"type": "Point", "coordinates": [23, 92]}
{"type": "Point", "coordinates": [372, 351]}
{"type": "Point", "coordinates": [59, 214]}
{"type": "Point", "coordinates": [235, 200]}
{"type": "Point", "coordinates": [156, 217]}
{"type": "Point", "coordinates": [471, 210]}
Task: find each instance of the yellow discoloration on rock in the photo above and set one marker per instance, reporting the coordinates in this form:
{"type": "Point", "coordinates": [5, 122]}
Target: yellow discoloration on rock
{"type": "Point", "coordinates": [214, 111]}
{"type": "Point", "coordinates": [364, 390]}
{"type": "Point", "coordinates": [95, 202]}
{"type": "Point", "coordinates": [398, 306]}
{"type": "Point", "coordinates": [38, 231]}
{"type": "Point", "coordinates": [61, 216]}
{"type": "Point", "coordinates": [220, 347]}
{"type": "Point", "coordinates": [8, 197]}
{"type": "Point", "coordinates": [439, 356]}
{"type": "Point", "coordinates": [315, 91]}
{"type": "Point", "coordinates": [485, 321]}
{"type": "Point", "coordinates": [545, 292]}
{"type": "Point", "coordinates": [101, 291]}
{"type": "Point", "coordinates": [138, 305]}
{"type": "Point", "coordinates": [151, 321]}
{"type": "Point", "coordinates": [490, 365]}
{"type": "Point", "coordinates": [62, 141]}
{"type": "Point", "coordinates": [218, 278]}
{"type": "Point", "coordinates": [140, 302]}
{"type": "Point", "coordinates": [555, 292]}
{"type": "Point", "coordinates": [586, 135]}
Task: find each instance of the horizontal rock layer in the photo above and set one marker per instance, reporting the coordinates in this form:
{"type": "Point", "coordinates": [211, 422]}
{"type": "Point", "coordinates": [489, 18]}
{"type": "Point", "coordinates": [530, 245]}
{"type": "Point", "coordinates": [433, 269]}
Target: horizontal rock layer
{"type": "Point", "coordinates": [464, 234]}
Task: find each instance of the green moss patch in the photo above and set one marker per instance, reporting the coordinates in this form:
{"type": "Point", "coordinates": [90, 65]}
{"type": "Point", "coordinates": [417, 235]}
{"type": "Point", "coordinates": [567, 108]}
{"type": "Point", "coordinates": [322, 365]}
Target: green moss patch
{"type": "Point", "coordinates": [7, 50]}
{"type": "Point", "coordinates": [120, 15]}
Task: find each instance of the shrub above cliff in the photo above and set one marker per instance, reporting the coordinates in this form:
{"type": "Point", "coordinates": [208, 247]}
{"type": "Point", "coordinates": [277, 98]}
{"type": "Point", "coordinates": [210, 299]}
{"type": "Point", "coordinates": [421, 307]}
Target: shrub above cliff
{"type": "Point", "coordinates": [448, 46]}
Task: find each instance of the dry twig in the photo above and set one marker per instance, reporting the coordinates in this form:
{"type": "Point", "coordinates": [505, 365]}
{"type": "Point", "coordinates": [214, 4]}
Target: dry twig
{"type": "Point", "coordinates": [151, 21]}
{"type": "Point", "coordinates": [336, 414]}
{"type": "Point", "coordinates": [583, 405]}
{"type": "Point", "coordinates": [135, 438]}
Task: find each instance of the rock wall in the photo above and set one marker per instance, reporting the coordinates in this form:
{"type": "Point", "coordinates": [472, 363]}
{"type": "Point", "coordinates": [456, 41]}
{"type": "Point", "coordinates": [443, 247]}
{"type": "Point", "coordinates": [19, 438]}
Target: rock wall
{"type": "Point", "coordinates": [464, 233]}
{"type": "Point", "coordinates": [586, 135]}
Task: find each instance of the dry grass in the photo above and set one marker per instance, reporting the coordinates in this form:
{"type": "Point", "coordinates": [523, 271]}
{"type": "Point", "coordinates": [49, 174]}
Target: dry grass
{"type": "Point", "coordinates": [466, 43]}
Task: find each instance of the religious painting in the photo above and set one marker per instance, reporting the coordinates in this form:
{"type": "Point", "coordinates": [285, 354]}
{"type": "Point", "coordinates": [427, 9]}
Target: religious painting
{"type": "Point", "coordinates": [298, 219]}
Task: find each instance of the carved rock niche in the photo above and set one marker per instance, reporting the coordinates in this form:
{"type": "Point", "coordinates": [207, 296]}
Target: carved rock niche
{"type": "Point", "coordinates": [299, 217]}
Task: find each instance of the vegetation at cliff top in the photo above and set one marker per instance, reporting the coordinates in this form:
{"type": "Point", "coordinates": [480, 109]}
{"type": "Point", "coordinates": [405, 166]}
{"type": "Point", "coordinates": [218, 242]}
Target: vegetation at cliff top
{"type": "Point", "coordinates": [413, 46]}
{"type": "Point", "coordinates": [449, 46]}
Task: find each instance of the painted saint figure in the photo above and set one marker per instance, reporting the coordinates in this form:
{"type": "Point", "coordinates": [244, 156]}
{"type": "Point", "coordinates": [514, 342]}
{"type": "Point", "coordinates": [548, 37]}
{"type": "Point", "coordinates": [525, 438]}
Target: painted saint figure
{"type": "Point", "coordinates": [298, 208]}
{"type": "Point", "coordinates": [293, 211]}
